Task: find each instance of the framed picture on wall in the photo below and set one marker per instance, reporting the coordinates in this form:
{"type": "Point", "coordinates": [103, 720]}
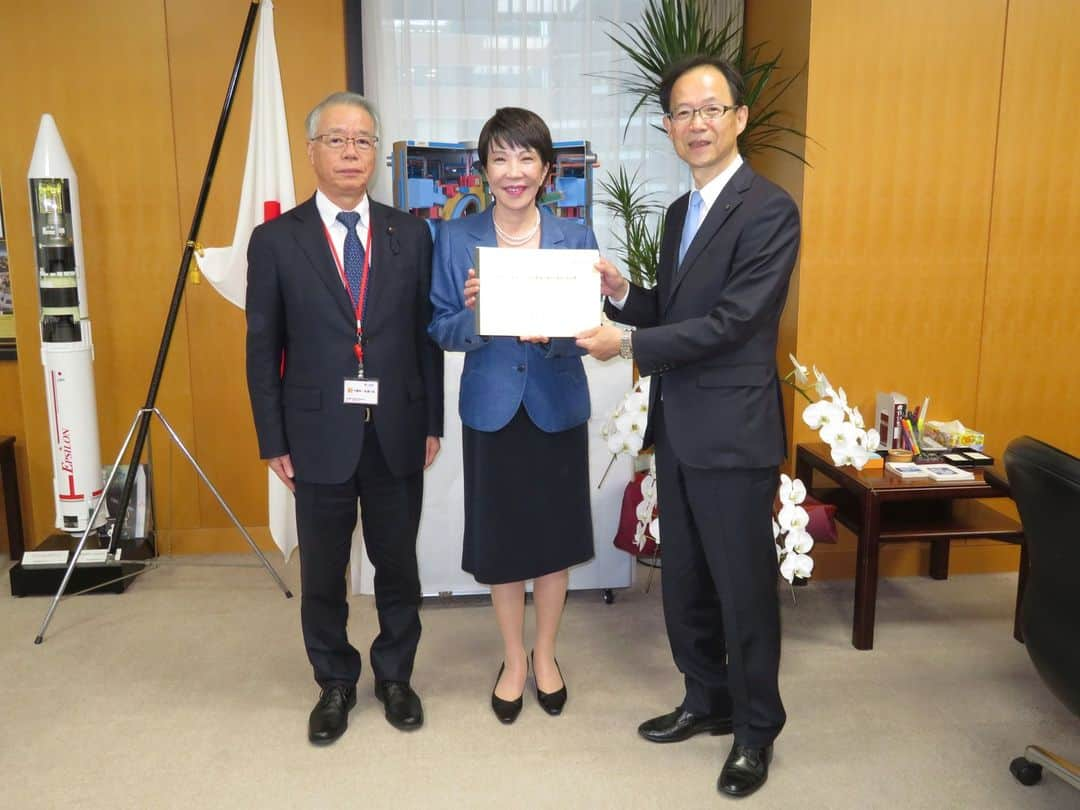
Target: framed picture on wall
{"type": "Point", "coordinates": [7, 303]}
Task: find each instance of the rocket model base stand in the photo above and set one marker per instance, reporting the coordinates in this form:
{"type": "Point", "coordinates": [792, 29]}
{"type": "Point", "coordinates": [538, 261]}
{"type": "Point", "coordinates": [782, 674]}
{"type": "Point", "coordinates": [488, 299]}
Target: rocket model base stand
{"type": "Point", "coordinates": [108, 576]}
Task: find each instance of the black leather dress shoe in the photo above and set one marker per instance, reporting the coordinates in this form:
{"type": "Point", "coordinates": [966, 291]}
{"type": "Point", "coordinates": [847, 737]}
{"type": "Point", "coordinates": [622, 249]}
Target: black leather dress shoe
{"type": "Point", "coordinates": [330, 717]}
{"type": "Point", "coordinates": [681, 725]}
{"type": "Point", "coordinates": [551, 702]}
{"type": "Point", "coordinates": [745, 771]}
{"type": "Point", "coordinates": [506, 710]}
{"type": "Point", "coordinates": [403, 709]}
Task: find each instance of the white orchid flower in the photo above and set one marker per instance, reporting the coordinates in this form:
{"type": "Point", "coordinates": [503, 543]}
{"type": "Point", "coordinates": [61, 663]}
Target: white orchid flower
{"type": "Point", "coordinates": [821, 386]}
{"type": "Point", "coordinates": [843, 456]}
{"type": "Point", "coordinates": [798, 541]}
{"type": "Point", "coordinates": [654, 529]}
{"type": "Point", "coordinates": [631, 422]}
{"type": "Point", "coordinates": [625, 444]}
{"type": "Point", "coordinates": [839, 398]}
{"type": "Point", "coordinates": [859, 457]}
{"type": "Point", "coordinates": [844, 435]}
{"type": "Point", "coordinates": [639, 536]}
{"type": "Point", "coordinates": [822, 413]}
{"type": "Point", "coordinates": [648, 487]}
{"type": "Point", "coordinates": [644, 511]}
{"type": "Point", "coordinates": [856, 418]}
{"type": "Point", "coordinates": [792, 491]}
{"type": "Point", "coordinates": [792, 517]}
{"type": "Point", "coordinates": [642, 386]}
{"type": "Point", "coordinates": [801, 377]}
{"type": "Point", "coordinates": [637, 402]}
{"type": "Point", "coordinates": [796, 565]}
{"type": "Point", "coordinates": [779, 552]}
{"type": "Point", "coordinates": [775, 529]}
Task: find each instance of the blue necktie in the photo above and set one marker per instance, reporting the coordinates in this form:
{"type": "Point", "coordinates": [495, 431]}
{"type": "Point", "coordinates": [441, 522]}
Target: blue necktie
{"type": "Point", "coordinates": [690, 224]}
{"type": "Point", "coordinates": [353, 260]}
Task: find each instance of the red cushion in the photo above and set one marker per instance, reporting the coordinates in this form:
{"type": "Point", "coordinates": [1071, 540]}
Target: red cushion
{"type": "Point", "coordinates": [822, 525]}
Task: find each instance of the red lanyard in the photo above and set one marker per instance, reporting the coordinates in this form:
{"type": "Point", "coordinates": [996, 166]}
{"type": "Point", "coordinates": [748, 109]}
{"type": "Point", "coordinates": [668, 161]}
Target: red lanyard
{"type": "Point", "coordinates": [358, 349]}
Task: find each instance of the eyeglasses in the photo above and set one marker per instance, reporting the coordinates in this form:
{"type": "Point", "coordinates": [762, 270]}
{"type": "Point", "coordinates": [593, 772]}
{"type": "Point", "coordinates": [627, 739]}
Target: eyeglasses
{"type": "Point", "coordinates": [363, 143]}
{"type": "Point", "coordinates": [709, 112]}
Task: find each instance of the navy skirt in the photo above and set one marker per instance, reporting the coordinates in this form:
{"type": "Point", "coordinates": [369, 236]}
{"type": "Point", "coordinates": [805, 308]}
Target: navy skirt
{"type": "Point", "coordinates": [526, 501]}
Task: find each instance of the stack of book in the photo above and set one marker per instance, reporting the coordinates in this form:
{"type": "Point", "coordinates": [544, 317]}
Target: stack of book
{"type": "Point", "coordinates": [935, 472]}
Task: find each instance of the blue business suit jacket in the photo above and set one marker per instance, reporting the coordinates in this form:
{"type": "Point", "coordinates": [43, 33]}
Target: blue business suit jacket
{"type": "Point", "coordinates": [502, 373]}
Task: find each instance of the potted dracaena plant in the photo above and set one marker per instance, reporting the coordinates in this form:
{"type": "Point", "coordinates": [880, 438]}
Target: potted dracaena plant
{"type": "Point", "coordinates": [671, 30]}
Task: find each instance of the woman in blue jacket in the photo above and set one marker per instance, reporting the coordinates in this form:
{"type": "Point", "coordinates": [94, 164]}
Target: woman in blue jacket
{"type": "Point", "coordinates": [524, 406]}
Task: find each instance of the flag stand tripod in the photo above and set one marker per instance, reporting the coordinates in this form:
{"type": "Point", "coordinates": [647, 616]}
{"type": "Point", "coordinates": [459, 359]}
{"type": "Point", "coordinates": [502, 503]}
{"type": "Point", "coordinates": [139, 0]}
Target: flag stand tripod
{"type": "Point", "coordinates": [143, 415]}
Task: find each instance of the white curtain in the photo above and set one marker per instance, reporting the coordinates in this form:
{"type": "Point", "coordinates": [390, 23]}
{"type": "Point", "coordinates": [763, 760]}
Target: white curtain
{"type": "Point", "coordinates": [438, 69]}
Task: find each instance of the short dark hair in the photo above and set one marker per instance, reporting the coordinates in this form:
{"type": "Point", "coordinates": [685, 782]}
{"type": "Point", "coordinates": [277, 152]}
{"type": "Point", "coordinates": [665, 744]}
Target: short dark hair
{"type": "Point", "coordinates": [517, 127]}
{"type": "Point", "coordinates": [735, 81]}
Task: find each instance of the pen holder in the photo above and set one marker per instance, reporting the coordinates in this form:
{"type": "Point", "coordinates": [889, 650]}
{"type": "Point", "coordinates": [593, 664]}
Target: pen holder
{"type": "Point", "coordinates": [896, 454]}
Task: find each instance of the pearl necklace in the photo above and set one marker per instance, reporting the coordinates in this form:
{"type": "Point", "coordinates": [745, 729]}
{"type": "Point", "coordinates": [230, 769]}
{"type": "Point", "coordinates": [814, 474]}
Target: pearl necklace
{"type": "Point", "coordinates": [517, 240]}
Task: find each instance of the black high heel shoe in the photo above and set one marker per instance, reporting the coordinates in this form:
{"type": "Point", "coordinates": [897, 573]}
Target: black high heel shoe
{"type": "Point", "coordinates": [506, 710]}
{"type": "Point", "coordinates": [550, 702]}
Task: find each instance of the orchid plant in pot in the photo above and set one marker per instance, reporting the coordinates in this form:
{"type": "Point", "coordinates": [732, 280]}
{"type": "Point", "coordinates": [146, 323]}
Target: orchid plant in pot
{"type": "Point", "coordinates": [837, 423]}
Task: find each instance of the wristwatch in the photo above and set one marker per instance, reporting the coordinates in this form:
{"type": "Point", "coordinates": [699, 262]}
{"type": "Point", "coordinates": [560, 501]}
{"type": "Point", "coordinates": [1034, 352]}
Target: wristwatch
{"type": "Point", "coordinates": [626, 348]}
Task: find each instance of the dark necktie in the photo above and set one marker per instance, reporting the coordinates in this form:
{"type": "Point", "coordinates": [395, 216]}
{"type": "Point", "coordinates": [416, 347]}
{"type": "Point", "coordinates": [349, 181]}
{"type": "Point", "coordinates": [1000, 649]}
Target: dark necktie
{"type": "Point", "coordinates": [353, 260]}
{"type": "Point", "coordinates": [690, 225]}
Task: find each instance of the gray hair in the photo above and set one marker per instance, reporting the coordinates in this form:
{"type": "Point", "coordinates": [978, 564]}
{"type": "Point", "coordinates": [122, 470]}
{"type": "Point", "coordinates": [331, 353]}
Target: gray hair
{"type": "Point", "coordinates": [344, 97]}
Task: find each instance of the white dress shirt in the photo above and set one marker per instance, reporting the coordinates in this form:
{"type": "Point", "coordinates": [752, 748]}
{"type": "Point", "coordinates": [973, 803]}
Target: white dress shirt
{"type": "Point", "coordinates": [328, 211]}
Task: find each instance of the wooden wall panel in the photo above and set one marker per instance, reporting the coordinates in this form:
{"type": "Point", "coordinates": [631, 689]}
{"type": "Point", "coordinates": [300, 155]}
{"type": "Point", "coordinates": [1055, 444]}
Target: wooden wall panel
{"type": "Point", "coordinates": [1031, 319]}
{"type": "Point", "coordinates": [785, 26]}
{"type": "Point", "coordinates": [136, 88]}
{"type": "Point", "coordinates": [903, 104]}
{"type": "Point", "coordinates": [312, 60]}
{"type": "Point", "coordinates": [103, 75]}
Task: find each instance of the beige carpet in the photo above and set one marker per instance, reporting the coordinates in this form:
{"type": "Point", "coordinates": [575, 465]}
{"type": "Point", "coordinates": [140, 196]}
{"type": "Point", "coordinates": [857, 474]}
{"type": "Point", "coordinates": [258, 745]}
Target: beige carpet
{"type": "Point", "coordinates": [191, 690]}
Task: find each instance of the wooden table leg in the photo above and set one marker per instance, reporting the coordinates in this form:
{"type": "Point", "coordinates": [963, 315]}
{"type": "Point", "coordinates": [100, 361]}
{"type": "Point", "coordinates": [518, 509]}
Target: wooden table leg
{"type": "Point", "coordinates": [939, 559]}
{"type": "Point", "coordinates": [12, 507]}
{"type": "Point", "coordinates": [1021, 583]}
{"type": "Point", "coordinates": [866, 574]}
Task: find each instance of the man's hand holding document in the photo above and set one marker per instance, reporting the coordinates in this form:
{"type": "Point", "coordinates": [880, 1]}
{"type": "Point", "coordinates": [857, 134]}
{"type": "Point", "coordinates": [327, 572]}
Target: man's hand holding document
{"type": "Point", "coordinates": [554, 293]}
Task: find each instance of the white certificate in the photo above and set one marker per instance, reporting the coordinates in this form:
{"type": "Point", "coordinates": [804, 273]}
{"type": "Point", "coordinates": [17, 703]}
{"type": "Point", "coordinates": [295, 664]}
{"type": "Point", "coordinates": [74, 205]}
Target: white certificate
{"type": "Point", "coordinates": [548, 292]}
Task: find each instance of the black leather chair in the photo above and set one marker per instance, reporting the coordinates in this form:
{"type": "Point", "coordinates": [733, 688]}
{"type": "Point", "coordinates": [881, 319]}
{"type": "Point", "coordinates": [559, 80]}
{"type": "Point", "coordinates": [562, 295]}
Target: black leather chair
{"type": "Point", "coordinates": [1045, 484]}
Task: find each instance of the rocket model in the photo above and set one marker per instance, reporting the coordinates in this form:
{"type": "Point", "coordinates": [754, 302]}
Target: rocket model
{"type": "Point", "coordinates": [67, 351]}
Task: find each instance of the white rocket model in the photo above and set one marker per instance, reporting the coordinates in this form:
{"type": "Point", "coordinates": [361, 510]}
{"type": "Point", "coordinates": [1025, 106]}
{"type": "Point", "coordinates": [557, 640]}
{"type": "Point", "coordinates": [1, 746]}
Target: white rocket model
{"type": "Point", "coordinates": [67, 351]}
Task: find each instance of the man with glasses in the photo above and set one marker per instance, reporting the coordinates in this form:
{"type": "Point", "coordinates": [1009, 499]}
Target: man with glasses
{"type": "Point", "coordinates": [347, 395]}
{"type": "Point", "coordinates": [707, 334]}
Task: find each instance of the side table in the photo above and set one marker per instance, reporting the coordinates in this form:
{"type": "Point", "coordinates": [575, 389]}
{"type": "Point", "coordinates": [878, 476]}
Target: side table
{"type": "Point", "coordinates": [12, 508]}
{"type": "Point", "coordinates": [880, 507]}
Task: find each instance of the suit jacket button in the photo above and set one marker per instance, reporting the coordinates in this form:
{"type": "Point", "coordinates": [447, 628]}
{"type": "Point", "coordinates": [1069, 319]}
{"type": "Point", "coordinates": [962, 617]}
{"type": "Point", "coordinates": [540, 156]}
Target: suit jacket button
{"type": "Point", "coordinates": [521, 367]}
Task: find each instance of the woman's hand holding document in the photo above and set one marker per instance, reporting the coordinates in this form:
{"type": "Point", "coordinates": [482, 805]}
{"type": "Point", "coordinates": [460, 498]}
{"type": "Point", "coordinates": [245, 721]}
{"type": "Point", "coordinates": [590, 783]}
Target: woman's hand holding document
{"type": "Point", "coordinates": [550, 292]}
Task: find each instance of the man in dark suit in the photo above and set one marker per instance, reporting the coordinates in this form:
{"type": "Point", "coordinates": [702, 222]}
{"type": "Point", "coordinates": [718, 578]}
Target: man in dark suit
{"type": "Point", "coordinates": [707, 334]}
{"type": "Point", "coordinates": [347, 394]}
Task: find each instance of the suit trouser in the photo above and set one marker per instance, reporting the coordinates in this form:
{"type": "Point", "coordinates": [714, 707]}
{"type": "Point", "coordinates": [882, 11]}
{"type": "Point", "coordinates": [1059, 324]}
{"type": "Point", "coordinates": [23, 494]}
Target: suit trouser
{"type": "Point", "coordinates": [325, 520]}
{"type": "Point", "coordinates": [719, 579]}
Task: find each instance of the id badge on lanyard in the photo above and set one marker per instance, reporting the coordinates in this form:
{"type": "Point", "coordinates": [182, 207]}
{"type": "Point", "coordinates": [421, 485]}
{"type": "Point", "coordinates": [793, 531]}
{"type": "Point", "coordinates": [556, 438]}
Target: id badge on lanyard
{"type": "Point", "coordinates": [358, 390]}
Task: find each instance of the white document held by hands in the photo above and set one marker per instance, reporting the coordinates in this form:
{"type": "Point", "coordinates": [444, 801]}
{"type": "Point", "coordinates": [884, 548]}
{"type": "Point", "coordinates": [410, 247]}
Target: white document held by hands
{"type": "Point", "coordinates": [546, 292]}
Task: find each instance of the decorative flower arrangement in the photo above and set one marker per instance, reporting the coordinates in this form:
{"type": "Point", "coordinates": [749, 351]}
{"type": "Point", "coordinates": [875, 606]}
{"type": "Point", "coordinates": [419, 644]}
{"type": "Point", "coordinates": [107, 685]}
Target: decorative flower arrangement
{"type": "Point", "coordinates": [624, 430]}
{"type": "Point", "coordinates": [791, 522]}
{"type": "Point", "coordinates": [838, 424]}
{"type": "Point", "coordinates": [648, 519]}
{"type": "Point", "coordinates": [624, 433]}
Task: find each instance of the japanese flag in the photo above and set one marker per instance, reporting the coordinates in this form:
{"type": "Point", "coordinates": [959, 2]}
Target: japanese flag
{"type": "Point", "coordinates": [266, 192]}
